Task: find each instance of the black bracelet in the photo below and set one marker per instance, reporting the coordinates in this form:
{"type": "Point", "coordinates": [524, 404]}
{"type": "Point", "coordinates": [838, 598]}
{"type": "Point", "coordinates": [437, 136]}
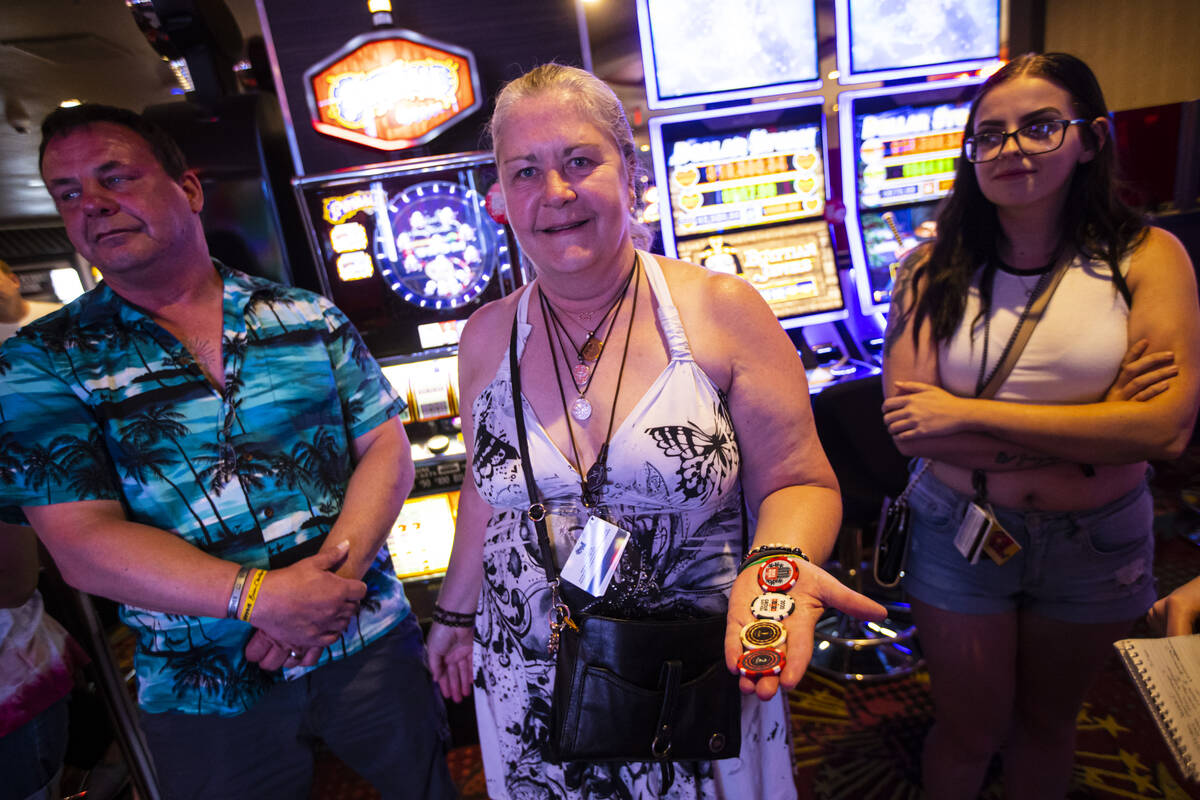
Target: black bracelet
{"type": "Point", "coordinates": [453, 619]}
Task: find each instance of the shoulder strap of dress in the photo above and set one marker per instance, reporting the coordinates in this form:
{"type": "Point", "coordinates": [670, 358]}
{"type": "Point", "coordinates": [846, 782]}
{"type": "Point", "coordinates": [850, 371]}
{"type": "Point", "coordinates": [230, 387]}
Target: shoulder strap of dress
{"type": "Point", "coordinates": [668, 315]}
{"type": "Point", "coordinates": [522, 319]}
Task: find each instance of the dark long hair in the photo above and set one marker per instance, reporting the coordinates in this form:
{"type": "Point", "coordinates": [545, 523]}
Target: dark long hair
{"type": "Point", "coordinates": [1096, 223]}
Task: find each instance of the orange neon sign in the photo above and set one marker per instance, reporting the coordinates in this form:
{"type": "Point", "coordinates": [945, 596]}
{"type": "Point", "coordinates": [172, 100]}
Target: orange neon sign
{"type": "Point", "coordinates": [392, 89]}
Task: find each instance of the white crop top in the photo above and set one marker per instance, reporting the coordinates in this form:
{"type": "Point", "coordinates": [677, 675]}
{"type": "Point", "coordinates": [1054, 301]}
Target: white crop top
{"type": "Point", "coordinates": [1074, 353]}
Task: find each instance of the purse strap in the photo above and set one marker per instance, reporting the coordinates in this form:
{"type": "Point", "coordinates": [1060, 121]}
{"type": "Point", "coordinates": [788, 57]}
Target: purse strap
{"type": "Point", "coordinates": [536, 511]}
{"type": "Point", "coordinates": [1008, 360]}
{"type": "Point", "coordinates": [1029, 321]}
{"type": "Point", "coordinates": [1012, 352]}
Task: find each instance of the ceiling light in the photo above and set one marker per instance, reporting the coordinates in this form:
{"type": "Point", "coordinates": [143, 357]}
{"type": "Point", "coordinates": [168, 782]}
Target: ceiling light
{"type": "Point", "coordinates": [182, 74]}
{"type": "Point", "coordinates": [833, 76]}
{"type": "Point", "coordinates": [70, 103]}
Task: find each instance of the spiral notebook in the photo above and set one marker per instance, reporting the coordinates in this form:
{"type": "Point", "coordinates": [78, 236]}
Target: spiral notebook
{"type": "Point", "coordinates": [1167, 673]}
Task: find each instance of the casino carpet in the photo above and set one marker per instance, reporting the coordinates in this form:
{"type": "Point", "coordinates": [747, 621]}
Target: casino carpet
{"type": "Point", "coordinates": [863, 742]}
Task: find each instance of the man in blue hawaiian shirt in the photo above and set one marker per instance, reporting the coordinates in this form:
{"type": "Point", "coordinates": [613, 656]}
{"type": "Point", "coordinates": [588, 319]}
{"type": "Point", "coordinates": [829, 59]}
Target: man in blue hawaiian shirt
{"type": "Point", "coordinates": [184, 420]}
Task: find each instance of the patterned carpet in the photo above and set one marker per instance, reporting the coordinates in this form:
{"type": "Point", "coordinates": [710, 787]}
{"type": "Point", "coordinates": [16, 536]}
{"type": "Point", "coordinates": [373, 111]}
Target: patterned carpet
{"type": "Point", "coordinates": [863, 742]}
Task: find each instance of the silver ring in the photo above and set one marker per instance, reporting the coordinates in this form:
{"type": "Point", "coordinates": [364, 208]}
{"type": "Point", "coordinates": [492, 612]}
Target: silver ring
{"type": "Point", "coordinates": [293, 654]}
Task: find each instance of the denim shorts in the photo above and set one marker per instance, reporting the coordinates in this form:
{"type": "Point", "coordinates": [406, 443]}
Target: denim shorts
{"type": "Point", "coordinates": [1074, 566]}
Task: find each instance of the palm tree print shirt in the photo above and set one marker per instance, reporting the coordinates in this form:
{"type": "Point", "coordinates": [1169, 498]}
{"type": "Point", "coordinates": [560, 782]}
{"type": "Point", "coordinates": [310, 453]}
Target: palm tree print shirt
{"type": "Point", "coordinates": [98, 402]}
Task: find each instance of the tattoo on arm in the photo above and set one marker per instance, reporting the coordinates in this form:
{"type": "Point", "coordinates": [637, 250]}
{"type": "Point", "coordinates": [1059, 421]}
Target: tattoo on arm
{"type": "Point", "coordinates": [1024, 461]}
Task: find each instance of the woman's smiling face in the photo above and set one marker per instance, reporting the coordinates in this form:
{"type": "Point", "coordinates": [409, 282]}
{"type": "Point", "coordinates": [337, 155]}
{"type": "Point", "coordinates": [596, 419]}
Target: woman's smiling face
{"type": "Point", "coordinates": [1013, 179]}
{"type": "Point", "coordinates": [567, 190]}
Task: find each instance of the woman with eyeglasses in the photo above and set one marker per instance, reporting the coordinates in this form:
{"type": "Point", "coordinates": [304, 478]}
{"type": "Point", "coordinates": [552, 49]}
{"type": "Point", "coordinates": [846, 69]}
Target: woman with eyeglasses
{"type": "Point", "coordinates": [1109, 378]}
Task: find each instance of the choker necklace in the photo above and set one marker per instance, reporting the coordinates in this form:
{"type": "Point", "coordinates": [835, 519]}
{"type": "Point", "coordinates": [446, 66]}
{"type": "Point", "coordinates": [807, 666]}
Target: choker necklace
{"type": "Point", "coordinates": [588, 354]}
{"type": "Point", "coordinates": [592, 484]}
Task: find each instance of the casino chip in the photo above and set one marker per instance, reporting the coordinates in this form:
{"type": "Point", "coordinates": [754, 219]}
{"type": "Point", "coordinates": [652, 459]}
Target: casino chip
{"type": "Point", "coordinates": [763, 633]}
{"type": "Point", "coordinates": [772, 606]}
{"type": "Point", "coordinates": [760, 663]}
{"type": "Point", "coordinates": [778, 574]}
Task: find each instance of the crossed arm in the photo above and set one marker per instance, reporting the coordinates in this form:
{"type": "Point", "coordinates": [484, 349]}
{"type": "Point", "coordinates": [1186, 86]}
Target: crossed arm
{"type": "Point", "coordinates": [1148, 413]}
{"type": "Point", "coordinates": [302, 606]}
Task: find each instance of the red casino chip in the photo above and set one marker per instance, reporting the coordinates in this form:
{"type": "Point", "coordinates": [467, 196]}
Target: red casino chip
{"type": "Point", "coordinates": [778, 574]}
{"type": "Point", "coordinates": [760, 663]}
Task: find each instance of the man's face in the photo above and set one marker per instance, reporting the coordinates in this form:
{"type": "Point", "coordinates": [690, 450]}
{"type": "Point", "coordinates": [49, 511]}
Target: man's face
{"type": "Point", "coordinates": [122, 211]}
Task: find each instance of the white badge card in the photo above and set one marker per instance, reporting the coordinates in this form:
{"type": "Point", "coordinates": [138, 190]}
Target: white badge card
{"type": "Point", "coordinates": [972, 532]}
{"type": "Point", "coordinates": [594, 559]}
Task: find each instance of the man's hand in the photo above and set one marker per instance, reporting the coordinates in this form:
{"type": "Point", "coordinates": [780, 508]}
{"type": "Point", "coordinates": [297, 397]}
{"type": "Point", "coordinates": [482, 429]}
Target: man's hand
{"type": "Point", "coordinates": [271, 655]}
{"type": "Point", "coordinates": [1143, 375]}
{"type": "Point", "coordinates": [1176, 614]}
{"type": "Point", "coordinates": [305, 604]}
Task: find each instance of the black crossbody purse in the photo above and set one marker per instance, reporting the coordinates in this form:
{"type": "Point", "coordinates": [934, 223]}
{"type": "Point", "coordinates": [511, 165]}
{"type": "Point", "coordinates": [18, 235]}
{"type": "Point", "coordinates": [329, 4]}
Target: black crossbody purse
{"type": "Point", "coordinates": [630, 690]}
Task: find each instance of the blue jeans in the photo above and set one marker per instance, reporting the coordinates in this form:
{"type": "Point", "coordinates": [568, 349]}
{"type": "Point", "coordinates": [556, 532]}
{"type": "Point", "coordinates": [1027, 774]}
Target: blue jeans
{"type": "Point", "coordinates": [1074, 566]}
{"type": "Point", "coordinates": [32, 756]}
{"type": "Point", "coordinates": [377, 710]}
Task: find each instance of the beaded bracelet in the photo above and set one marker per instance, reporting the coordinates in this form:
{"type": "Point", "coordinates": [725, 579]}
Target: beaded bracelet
{"type": "Point", "coordinates": [765, 550]}
{"type": "Point", "coordinates": [235, 597]}
{"type": "Point", "coordinates": [453, 619]}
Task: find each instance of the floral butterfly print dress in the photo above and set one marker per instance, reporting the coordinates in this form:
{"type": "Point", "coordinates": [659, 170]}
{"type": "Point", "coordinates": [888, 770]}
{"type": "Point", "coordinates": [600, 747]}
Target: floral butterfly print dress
{"type": "Point", "coordinates": [673, 483]}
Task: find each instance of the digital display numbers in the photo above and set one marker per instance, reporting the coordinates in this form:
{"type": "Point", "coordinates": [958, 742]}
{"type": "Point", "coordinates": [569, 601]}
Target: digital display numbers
{"type": "Point", "coordinates": [792, 266]}
{"type": "Point", "coordinates": [724, 183]}
{"type": "Point", "coordinates": [909, 154]}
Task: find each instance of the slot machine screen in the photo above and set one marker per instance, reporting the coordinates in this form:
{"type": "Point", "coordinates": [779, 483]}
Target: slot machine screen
{"type": "Point", "coordinates": [792, 266]}
{"type": "Point", "coordinates": [888, 39]}
{"type": "Point", "coordinates": [422, 536]}
{"type": "Point", "coordinates": [408, 250]}
{"type": "Point", "coordinates": [903, 147]}
{"type": "Point", "coordinates": [683, 42]}
{"type": "Point", "coordinates": [746, 192]}
{"type": "Point", "coordinates": [908, 154]}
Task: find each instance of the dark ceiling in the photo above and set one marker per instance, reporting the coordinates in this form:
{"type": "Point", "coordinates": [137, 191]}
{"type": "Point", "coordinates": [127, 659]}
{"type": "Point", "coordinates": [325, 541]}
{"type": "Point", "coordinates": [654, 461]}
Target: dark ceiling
{"type": "Point", "coordinates": [92, 50]}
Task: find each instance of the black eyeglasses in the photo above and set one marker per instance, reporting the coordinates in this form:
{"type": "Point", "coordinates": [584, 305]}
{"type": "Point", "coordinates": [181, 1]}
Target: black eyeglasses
{"type": "Point", "coordinates": [1032, 140]}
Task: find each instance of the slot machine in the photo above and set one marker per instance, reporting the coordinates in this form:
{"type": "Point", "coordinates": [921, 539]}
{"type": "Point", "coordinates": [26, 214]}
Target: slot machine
{"type": "Point", "coordinates": [894, 40]}
{"type": "Point", "coordinates": [900, 147]}
{"type": "Point", "coordinates": [408, 251]}
{"type": "Point", "coordinates": [899, 143]}
{"type": "Point", "coordinates": [743, 191]}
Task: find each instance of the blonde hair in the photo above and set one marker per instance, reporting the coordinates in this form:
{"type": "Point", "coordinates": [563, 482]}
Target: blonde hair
{"type": "Point", "coordinates": [595, 100]}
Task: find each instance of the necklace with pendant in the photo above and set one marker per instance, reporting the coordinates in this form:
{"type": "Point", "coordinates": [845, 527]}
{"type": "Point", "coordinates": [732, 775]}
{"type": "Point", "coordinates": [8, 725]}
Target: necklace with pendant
{"type": "Point", "coordinates": [588, 354]}
{"type": "Point", "coordinates": [592, 482]}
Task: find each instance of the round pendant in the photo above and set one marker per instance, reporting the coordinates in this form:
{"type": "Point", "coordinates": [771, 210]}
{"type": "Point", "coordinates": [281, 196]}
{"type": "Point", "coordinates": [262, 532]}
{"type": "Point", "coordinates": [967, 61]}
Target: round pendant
{"type": "Point", "coordinates": [581, 409]}
{"type": "Point", "coordinates": [580, 373]}
{"type": "Point", "coordinates": [592, 349]}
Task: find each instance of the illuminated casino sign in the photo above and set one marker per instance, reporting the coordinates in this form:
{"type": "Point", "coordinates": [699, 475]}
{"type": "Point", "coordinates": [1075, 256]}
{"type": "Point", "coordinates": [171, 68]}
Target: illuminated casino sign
{"type": "Point", "coordinates": [392, 89]}
{"type": "Point", "coordinates": [436, 245]}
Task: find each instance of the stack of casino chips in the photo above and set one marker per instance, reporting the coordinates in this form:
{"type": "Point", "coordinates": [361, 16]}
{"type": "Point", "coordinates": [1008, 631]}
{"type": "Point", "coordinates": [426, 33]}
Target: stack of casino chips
{"type": "Point", "coordinates": [765, 637]}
